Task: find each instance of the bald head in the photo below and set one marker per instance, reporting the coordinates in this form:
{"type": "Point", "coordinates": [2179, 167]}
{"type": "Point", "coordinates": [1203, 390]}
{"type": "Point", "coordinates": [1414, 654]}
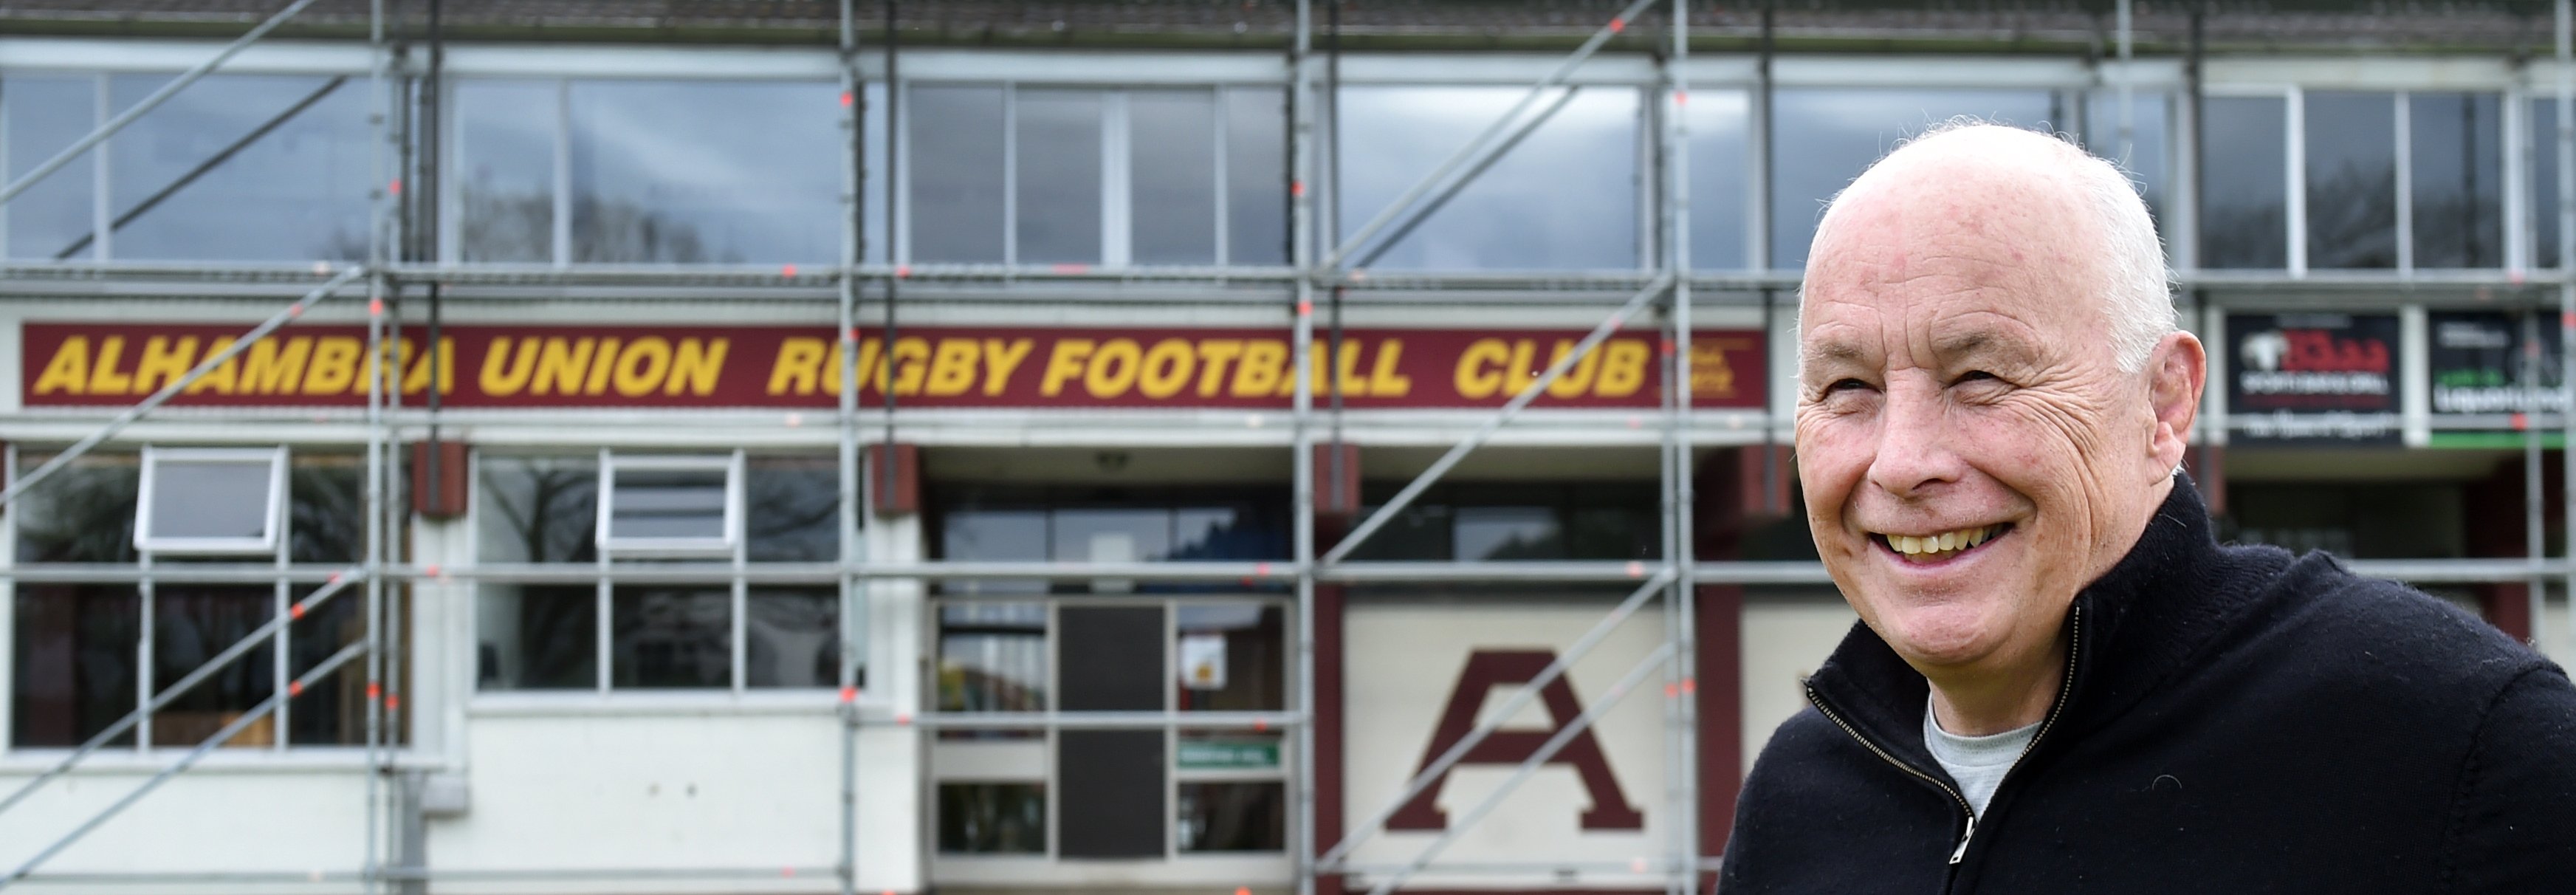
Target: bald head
{"type": "Point", "coordinates": [2033, 200]}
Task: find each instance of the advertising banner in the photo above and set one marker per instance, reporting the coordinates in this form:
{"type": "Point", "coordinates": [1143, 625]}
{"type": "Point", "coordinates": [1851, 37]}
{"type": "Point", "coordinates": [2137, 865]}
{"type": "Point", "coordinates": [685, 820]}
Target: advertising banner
{"type": "Point", "coordinates": [111, 364]}
{"type": "Point", "coordinates": [2314, 378]}
{"type": "Point", "coordinates": [2475, 362]}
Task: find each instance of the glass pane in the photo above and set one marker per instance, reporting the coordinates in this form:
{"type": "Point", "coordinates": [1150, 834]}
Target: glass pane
{"type": "Point", "coordinates": [791, 637]}
{"type": "Point", "coordinates": [505, 169]}
{"type": "Point", "coordinates": [1417, 533]}
{"type": "Point", "coordinates": [1112, 535]}
{"type": "Point", "coordinates": [2244, 218]}
{"type": "Point", "coordinates": [84, 512]}
{"type": "Point", "coordinates": [333, 710]}
{"type": "Point", "coordinates": [995, 535]}
{"type": "Point", "coordinates": [1508, 533]}
{"type": "Point", "coordinates": [45, 115]}
{"type": "Point", "coordinates": [73, 673]}
{"type": "Point", "coordinates": [792, 509]}
{"type": "Point", "coordinates": [2150, 138]}
{"type": "Point", "coordinates": [190, 624]}
{"type": "Point", "coordinates": [670, 636]}
{"type": "Point", "coordinates": [1227, 533]}
{"type": "Point", "coordinates": [1613, 533]}
{"type": "Point", "coordinates": [1717, 177]}
{"type": "Point", "coordinates": [210, 498]}
{"type": "Point", "coordinates": [537, 637]}
{"type": "Point", "coordinates": [1256, 176]}
{"type": "Point", "coordinates": [537, 509]}
{"type": "Point", "coordinates": [2544, 182]}
{"type": "Point", "coordinates": [992, 658]}
{"type": "Point", "coordinates": [1564, 198]}
{"type": "Point", "coordinates": [953, 164]}
{"type": "Point", "coordinates": [876, 232]}
{"type": "Point", "coordinates": [992, 818]}
{"type": "Point", "coordinates": [1229, 816]}
{"type": "Point", "coordinates": [295, 186]}
{"type": "Point", "coordinates": [668, 503]}
{"type": "Point", "coordinates": [1171, 159]}
{"type": "Point", "coordinates": [2352, 180]}
{"type": "Point", "coordinates": [326, 508]}
{"type": "Point", "coordinates": [1822, 138]}
{"type": "Point", "coordinates": [2456, 150]}
{"type": "Point", "coordinates": [755, 177]}
{"type": "Point", "coordinates": [1057, 173]}
{"type": "Point", "coordinates": [1231, 657]}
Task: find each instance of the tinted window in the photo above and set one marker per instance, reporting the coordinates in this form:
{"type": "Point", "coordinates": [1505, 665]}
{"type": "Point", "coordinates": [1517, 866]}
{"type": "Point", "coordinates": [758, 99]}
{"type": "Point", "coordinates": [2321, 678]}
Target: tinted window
{"type": "Point", "coordinates": [2456, 174]}
{"type": "Point", "coordinates": [1565, 197]}
{"type": "Point", "coordinates": [755, 175]}
{"type": "Point", "coordinates": [1172, 157]}
{"type": "Point", "coordinates": [2148, 144]}
{"type": "Point", "coordinates": [538, 509]}
{"type": "Point", "coordinates": [1717, 178]}
{"type": "Point", "coordinates": [46, 115]}
{"type": "Point", "coordinates": [2244, 222]}
{"type": "Point", "coordinates": [953, 154]}
{"type": "Point", "coordinates": [2544, 182]}
{"type": "Point", "coordinates": [505, 169]}
{"type": "Point", "coordinates": [1057, 168]}
{"type": "Point", "coordinates": [294, 187]}
{"type": "Point", "coordinates": [2352, 180]}
{"type": "Point", "coordinates": [1821, 139]}
{"type": "Point", "coordinates": [1256, 176]}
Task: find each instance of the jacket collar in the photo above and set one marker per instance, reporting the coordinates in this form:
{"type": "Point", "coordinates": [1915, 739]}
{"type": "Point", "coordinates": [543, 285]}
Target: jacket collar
{"type": "Point", "coordinates": [2141, 622]}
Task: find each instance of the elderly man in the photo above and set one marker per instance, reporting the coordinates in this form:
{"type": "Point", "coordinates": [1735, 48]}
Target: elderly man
{"type": "Point", "coordinates": [2061, 682]}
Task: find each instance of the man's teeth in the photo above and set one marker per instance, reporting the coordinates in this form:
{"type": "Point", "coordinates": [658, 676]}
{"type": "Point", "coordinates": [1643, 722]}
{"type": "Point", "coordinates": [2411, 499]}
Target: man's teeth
{"type": "Point", "coordinates": [1928, 546]}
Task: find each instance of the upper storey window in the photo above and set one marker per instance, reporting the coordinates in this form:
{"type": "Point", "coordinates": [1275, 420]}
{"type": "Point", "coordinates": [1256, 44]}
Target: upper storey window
{"type": "Point", "coordinates": [1822, 138]}
{"type": "Point", "coordinates": [1565, 197]}
{"type": "Point", "coordinates": [2350, 180]}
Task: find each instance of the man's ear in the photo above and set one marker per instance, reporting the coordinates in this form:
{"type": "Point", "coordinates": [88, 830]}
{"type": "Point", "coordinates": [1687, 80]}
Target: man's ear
{"type": "Point", "coordinates": [2176, 371]}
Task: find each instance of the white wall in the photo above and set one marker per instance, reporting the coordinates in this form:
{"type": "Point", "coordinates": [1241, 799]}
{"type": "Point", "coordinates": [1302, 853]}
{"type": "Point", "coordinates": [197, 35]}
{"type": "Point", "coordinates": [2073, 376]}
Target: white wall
{"type": "Point", "coordinates": [1785, 638]}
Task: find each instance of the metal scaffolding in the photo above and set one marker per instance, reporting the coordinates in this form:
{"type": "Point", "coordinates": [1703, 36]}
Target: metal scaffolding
{"type": "Point", "coordinates": [1320, 260]}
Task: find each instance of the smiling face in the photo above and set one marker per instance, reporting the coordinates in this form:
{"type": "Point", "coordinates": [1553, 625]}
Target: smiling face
{"type": "Point", "coordinates": [1971, 450]}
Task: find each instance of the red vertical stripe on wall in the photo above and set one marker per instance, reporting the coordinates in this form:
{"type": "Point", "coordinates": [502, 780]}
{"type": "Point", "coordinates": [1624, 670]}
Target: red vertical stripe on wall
{"type": "Point", "coordinates": [1328, 695]}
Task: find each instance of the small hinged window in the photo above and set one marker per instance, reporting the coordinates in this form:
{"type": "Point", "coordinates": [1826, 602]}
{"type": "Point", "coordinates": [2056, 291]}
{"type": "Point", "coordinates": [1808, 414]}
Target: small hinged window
{"type": "Point", "coordinates": [211, 500]}
{"type": "Point", "coordinates": [670, 505]}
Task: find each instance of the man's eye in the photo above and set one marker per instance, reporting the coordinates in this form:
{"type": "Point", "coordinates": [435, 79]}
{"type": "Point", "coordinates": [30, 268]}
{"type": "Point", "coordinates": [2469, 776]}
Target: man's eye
{"type": "Point", "coordinates": [1974, 376]}
{"type": "Point", "coordinates": [1844, 385]}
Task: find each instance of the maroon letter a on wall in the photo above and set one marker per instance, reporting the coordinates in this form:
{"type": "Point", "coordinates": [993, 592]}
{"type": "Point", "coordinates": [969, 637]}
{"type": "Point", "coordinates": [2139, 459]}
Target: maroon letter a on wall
{"type": "Point", "coordinates": [1500, 668]}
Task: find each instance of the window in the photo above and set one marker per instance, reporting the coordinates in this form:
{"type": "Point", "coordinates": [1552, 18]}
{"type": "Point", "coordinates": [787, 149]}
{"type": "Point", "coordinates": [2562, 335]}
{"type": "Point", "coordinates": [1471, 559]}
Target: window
{"type": "Point", "coordinates": [1822, 138]}
{"type": "Point", "coordinates": [2149, 140]}
{"type": "Point", "coordinates": [1028, 174]}
{"type": "Point", "coordinates": [2352, 179]}
{"type": "Point", "coordinates": [589, 171]}
{"type": "Point", "coordinates": [238, 167]}
{"type": "Point", "coordinates": [1519, 521]}
{"type": "Point", "coordinates": [2390, 181]}
{"type": "Point", "coordinates": [81, 650]}
{"type": "Point", "coordinates": [2456, 178]}
{"type": "Point", "coordinates": [210, 501]}
{"type": "Point", "coordinates": [1565, 197]}
{"type": "Point", "coordinates": [2244, 187]}
{"type": "Point", "coordinates": [736, 620]}
{"type": "Point", "coordinates": [2542, 145]}
{"type": "Point", "coordinates": [1719, 130]}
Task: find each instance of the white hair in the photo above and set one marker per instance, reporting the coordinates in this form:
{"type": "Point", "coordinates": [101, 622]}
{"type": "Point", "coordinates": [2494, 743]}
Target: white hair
{"type": "Point", "coordinates": [2136, 289]}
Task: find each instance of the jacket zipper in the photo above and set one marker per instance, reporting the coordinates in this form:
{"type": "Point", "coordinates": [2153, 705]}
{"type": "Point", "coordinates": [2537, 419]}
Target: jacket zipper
{"type": "Point", "coordinates": [2066, 685]}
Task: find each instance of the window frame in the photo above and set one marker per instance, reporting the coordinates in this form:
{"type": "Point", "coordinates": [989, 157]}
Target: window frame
{"type": "Point", "coordinates": [274, 522]}
{"type": "Point", "coordinates": [720, 547]}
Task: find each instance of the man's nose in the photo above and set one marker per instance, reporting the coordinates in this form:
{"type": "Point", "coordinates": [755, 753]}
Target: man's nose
{"type": "Point", "coordinates": [1915, 450]}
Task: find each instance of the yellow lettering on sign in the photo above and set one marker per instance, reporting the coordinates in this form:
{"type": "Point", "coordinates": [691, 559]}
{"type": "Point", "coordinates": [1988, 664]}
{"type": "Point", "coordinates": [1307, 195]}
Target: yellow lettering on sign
{"type": "Point", "coordinates": [1477, 377]}
{"type": "Point", "coordinates": [335, 365]}
{"type": "Point", "coordinates": [68, 372]}
{"type": "Point", "coordinates": [164, 361]}
{"type": "Point", "coordinates": [499, 380]}
{"type": "Point", "coordinates": [1166, 368]}
{"type": "Point", "coordinates": [911, 362]}
{"type": "Point", "coordinates": [602, 360]}
{"type": "Point", "coordinates": [416, 380]}
{"type": "Point", "coordinates": [642, 366]}
{"type": "Point", "coordinates": [1063, 364]}
{"type": "Point", "coordinates": [1214, 356]}
{"type": "Point", "coordinates": [1384, 381]}
{"type": "Point", "coordinates": [1000, 358]}
{"type": "Point", "coordinates": [561, 364]}
{"type": "Point", "coordinates": [1623, 368]}
{"type": "Point", "coordinates": [695, 365]}
{"type": "Point", "coordinates": [103, 377]}
{"type": "Point", "coordinates": [1259, 372]}
{"type": "Point", "coordinates": [1113, 368]}
{"type": "Point", "coordinates": [799, 359]}
{"type": "Point", "coordinates": [274, 367]}
{"type": "Point", "coordinates": [225, 377]}
{"type": "Point", "coordinates": [952, 367]}
{"type": "Point", "coordinates": [1576, 379]}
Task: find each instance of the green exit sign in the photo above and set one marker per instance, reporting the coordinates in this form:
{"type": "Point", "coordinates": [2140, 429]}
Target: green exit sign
{"type": "Point", "coordinates": [1228, 755]}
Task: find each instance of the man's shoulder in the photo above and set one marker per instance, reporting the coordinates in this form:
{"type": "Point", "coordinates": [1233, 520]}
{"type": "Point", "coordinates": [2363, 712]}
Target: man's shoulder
{"type": "Point", "coordinates": [2316, 619]}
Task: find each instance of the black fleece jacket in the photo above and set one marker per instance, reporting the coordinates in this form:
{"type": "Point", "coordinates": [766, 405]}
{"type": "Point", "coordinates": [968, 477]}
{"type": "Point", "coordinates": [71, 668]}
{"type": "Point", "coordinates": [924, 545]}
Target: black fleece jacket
{"type": "Point", "coordinates": [2237, 720]}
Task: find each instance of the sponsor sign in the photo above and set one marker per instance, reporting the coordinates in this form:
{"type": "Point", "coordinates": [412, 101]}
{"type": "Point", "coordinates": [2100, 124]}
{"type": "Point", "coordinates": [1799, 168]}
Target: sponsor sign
{"type": "Point", "coordinates": [1421, 678]}
{"type": "Point", "coordinates": [111, 364]}
{"type": "Point", "coordinates": [1227, 755]}
{"type": "Point", "coordinates": [2474, 363]}
{"type": "Point", "coordinates": [2317, 378]}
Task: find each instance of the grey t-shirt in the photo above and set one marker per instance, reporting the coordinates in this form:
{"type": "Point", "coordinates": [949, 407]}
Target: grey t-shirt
{"type": "Point", "coordinates": [1978, 763]}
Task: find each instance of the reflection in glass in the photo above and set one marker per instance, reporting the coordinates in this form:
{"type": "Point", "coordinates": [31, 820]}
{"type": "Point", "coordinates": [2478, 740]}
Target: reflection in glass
{"type": "Point", "coordinates": [1171, 145]}
{"type": "Point", "coordinates": [992, 658]}
{"type": "Point", "coordinates": [670, 636]}
{"type": "Point", "coordinates": [2352, 179]}
{"type": "Point", "coordinates": [190, 624]}
{"type": "Point", "coordinates": [42, 116]}
{"type": "Point", "coordinates": [1232, 817]}
{"type": "Point", "coordinates": [1057, 173]}
{"type": "Point", "coordinates": [1248, 639]}
{"type": "Point", "coordinates": [1564, 198]}
{"type": "Point", "coordinates": [537, 509]}
{"type": "Point", "coordinates": [195, 498]}
{"type": "Point", "coordinates": [1717, 177]}
{"type": "Point", "coordinates": [73, 668]}
{"type": "Point", "coordinates": [325, 508]}
{"type": "Point", "coordinates": [2455, 172]}
{"type": "Point", "coordinates": [2244, 183]}
{"type": "Point", "coordinates": [2543, 152]}
{"type": "Point", "coordinates": [1822, 138]}
{"type": "Point", "coordinates": [668, 503]}
{"type": "Point", "coordinates": [953, 163]}
{"type": "Point", "coordinates": [84, 512]}
{"type": "Point", "coordinates": [792, 509]}
{"type": "Point", "coordinates": [993, 535]}
{"type": "Point", "coordinates": [537, 637]}
{"type": "Point", "coordinates": [1112, 535]}
{"type": "Point", "coordinates": [1418, 532]}
{"type": "Point", "coordinates": [2149, 143]}
{"type": "Point", "coordinates": [333, 709]}
{"type": "Point", "coordinates": [1507, 533]}
{"type": "Point", "coordinates": [295, 186]}
{"type": "Point", "coordinates": [505, 169]}
{"type": "Point", "coordinates": [755, 177]}
{"type": "Point", "coordinates": [1256, 176]}
{"type": "Point", "coordinates": [791, 637]}
{"type": "Point", "coordinates": [992, 818]}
